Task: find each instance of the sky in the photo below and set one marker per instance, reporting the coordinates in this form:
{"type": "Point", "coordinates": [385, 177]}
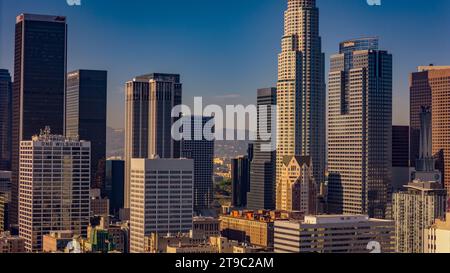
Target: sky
{"type": "Point", "coordinates": [226, 49]}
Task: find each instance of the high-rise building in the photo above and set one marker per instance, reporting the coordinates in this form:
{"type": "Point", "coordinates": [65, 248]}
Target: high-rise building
{"type": "Point", "coordinates": [360, 131]}
{"type": "Point", "coordinates": [429, 88]}
{"type": "Point", "coordinates": [263, 165]}
{"type": "Point", "coordinates": [39, 84]}
{"type": "Point", "coordinates": [114, 185]}
{"type": "Point", "coordinates": [296, 187]}
{"type": "Point", "coordinates": [424, 199]}
{"type": "Point", "coordinates": [5, 119]}
{"type": "Point", "coordinates": [334, 234]}
{"type": "Point", "coordinates": [240, 176]}
{"type": "Point", "coordinates": [301, 94]}
{"type": "Point", "coordinates": [5, 199]}
{"type": "Point", "coordinates": [161, 195]}
{"type": "Point", "coordinates": [400, 157]}
{"type": "Point", "coordinates": [148, 119]}
{"type": "Point", "coordinates": [437, 237]}
{"type": "Point", "coordinates": [54, 187]}
{"type": "Point", "coordinates": [85, 118]}
{"type": "Point", "coordinates": [201, 150]}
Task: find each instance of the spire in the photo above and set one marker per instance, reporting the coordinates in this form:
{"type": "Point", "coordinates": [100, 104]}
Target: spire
{"type": "Point", "coordinates": [425, 161]}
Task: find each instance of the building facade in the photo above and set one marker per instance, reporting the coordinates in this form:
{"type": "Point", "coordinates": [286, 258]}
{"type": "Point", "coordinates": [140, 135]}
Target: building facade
{"type": "Point", "coordinates": [201, 150]}
{"type": "Point", "coordinates": [54, 187]}
{"type": "Point", "coordinates": [437, 237]}
{"type": "Point", "coordinates": [5, 119]}
{"type": "Point", "coordinates": [85, 116]}
{"type": "Point", "coordinates": [296, 187]}
{"type": "Point", "coordinates": [114, 185]}
{"type": "Point", "coordinates": [334, 234]}
{"type": "Point", "coordinates": [263, 165]}
{"type": "Point", "coordinates": [400, 157]}
{"type": "Point", "coordinates": [148, 119]}
{"type": "Point", "coordinates": [39, 84]}
{"type": "Point", "coordinates": [301, 94]}
{"type": "Point", "coordinates": [161, 198]}
{"type": "Point", "coordinates": [429, 87]}
{"type": "Point", "coordinates": [240, 176]}
{"type": "Point", "coordinates": [360, 132]}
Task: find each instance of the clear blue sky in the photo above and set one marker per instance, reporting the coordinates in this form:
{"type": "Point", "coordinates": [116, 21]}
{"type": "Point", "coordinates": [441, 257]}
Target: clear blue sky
{"type": "Point", "coordinates": [226, 49]}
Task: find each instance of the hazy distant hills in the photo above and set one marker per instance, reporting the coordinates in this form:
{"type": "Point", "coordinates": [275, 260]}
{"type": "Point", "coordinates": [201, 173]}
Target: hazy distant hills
{"type": "Point", "coordinates": [115, 139]}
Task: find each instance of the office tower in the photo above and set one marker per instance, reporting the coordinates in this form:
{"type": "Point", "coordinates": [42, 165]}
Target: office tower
{"type": "Point", "coordinates": [54, 187]}
{"type": "Point", "coordinates": [437, 237]}
{"type": "Point", "coordinates": [161, 198]}
{"type": "Point", "coordinates": [148, 121]}
{"type": "Point", "coordinates": [400, 157]}
{"type": "Point", "coordinates": [240, 176]}
{"type": "Point", "coordinates": [201, 150]}
{"type": "Point", "coordinates": [301, 98]}
{"type": "Point", "coordinates": [2, 212]}
{"type": "Point", "coordinates": [85, 118]}
{"type": "Point", "coordinates": [99, 205]}
{"type": "Point", "coordinates": [39, 84]}
{"type": "Point", "coordinates": [334, 234]}
{"type": "Point", "coordinates": [430, 87]}
{"type": "Point", "coordinates": [5, 120]}
{"type": "Point", "coordinates": [360, 131]}
{"type": "Point", "coordinates": [114, 185]}
{"type": "Point", "coordinates": [263, 165]}
{"type": "Point", "coordinates": [296, 187]}
{"type": "Point", "coordinates": [423, 200]}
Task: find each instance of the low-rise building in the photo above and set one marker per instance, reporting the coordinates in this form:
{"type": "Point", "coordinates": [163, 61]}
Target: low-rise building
{"type": "Point", "coordinates": [437, 237]}
{"type": "Point", "coordinates": [205, 227]}
{"type": "Point", "coordinates": [56, 242]}
{"type": "Point", "coordinates": [334, 234]}
{"type": "Point", "coordinates": [11, 244]}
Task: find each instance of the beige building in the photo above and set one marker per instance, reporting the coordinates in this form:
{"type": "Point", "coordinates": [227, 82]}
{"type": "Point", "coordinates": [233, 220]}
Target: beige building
{"type": "Point", "coordinates": [301, 94]}
{"type": "Point", "coordinates": [205, 227]}
{"type": "Point", "coordinates": [334, 234]}
{"type": "Point", "coordinates": [248, 227]}
{"type": "Point", "coordinates": [295, 189]}
{"type": "Point", "coordinates": [161, 198]}
{"type": "Point", "coordinates": [11, 244]}
{"type": "Point", "coordinates": [437, 237]}
{"type": "Point", "coordinates": [214, 245]}
{"type": "Point", "coordinates": [414, 212]}
{"type": "Point", "coordinates": [54, 187]}
{"type": "Point", "coordinates": [56, 242]}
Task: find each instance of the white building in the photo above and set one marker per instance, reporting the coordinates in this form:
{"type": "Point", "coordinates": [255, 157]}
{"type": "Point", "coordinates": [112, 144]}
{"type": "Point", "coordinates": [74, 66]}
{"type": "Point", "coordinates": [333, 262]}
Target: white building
{"type": "Point", "coordinates": [161, 196]}
{"type": "Point", "coordinates": [437, 237]}
{"type": "Point", "coordinates": [54, 182]}
{"type": "Point", "coordinates": [334, 234]}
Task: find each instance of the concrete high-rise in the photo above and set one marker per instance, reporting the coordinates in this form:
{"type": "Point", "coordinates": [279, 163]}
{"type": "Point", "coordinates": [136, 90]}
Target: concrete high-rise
{"type": "Point", "coordinates": [360, 131]}
{"type": "Point", "coordinates": [161, 198]}
{"type": "Point", "coordinates": [424, 199]}
{"type": "Point", "coordinates": [201, 150]}
{"type": "Point", "coordinates": [39, 84]}
{"type": "Point", "coordinates": [301, 94]}
{"type": "Point", "coordinates": [5, 119]}
{"type": "Point", "coordinates": [263, 165]}
{"type": "Point", "coordinates": [429, 87]}
{"type": "Point", "coordinates": [54, 187]}
{"type": "Point", "coordinates": [85, 116]}
{"type": "Point", "coordinates": [148, 119]}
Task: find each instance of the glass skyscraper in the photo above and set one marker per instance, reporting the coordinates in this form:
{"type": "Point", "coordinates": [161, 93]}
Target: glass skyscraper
{"type": "Point", "coordinates": [5, 120]}
{"type": "Point", "coordinates": [39, 84]}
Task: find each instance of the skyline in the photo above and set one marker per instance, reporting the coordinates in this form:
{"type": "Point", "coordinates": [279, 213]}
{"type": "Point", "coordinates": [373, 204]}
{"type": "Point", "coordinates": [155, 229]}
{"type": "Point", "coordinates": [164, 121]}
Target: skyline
{"type": "Point", "coordinates": [230, 45]}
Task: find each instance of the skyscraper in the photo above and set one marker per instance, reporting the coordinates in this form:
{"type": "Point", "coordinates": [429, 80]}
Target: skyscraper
{"type": "Point", "coordinates": [148, 119]}
{"type": "Point", "coordinates": [201, 150]}
{"type": "Point", "coordinates": [5, 120]}
{"type": "Point", "coordinates": [85, 118]}
{"type": "Point", "coordinates": [240, 176]}
{"type": "Point", "coordinates": [301, 90]}
{"type": "Point", "coordinates": [54, 187]}
{"type": "Point", "coordinates": [360, 131]}
{"type": "Point", "coordinates": [263, 165]}
{"type": "Point", "coordinates": [115, 184]}
{"type": "Point", "coordinates": [39, 84]}
{"type": "Point", "coordinates": [161, 198]}
{"type": "Point", "coordinates": [430, 87]}
{"type": "Point", "coordinates": [400, 157]}
{"type": "Point", "coordinates": [423, 200]}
